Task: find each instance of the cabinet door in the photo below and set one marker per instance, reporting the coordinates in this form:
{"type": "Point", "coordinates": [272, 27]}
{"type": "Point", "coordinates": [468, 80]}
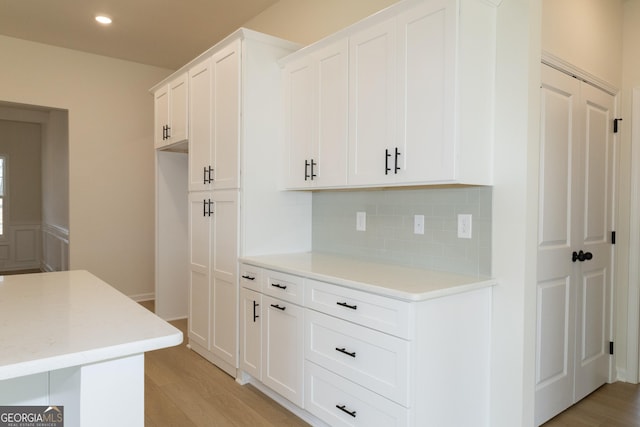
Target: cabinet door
{"type": "Point", "coordinates": [329, 150]}
{"type": "Point", "coordinates": [226, 116]}
{"type": "Point", "coordinates": [161, 117]}
{"type": "Point", "coordinates": [199, 268]}
{"type": "Point", "coordinates": [200, 144]}
{"type": "Point", "coordinates": [224, 275]}
{"type": "Point", "coordinates": [283, 335]}
{"type": "Point", "coordinates": [179, 109]}
{"type": "Point", "coordinates": [425, 95]}
{"type": "Point", "coordinates": [251, 332]}
{"type": "Point", "coordinates": [299, 106]}
{"type": "Point", "coordinates": [372, 103]}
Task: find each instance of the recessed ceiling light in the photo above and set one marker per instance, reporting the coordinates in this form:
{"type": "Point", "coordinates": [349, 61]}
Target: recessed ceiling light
{"type": "Point", "coordinates": [103, 19]}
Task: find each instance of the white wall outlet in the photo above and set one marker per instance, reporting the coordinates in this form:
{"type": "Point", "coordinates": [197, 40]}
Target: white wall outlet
{"type": "Point", "coordinates": [361, 221]}
{"type": "Point", "coordinates": [418, 224]}
{"type": "Point", "coordinates": [464, 226]}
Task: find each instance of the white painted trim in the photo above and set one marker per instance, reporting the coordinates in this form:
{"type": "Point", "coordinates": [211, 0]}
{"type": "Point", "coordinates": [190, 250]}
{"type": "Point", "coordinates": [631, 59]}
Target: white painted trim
{"type": "Point", "coordinates": [55, 248]}
{"type": "Point", "coordinates": [149, 296]}
{"type": "Point", "coordinates": [633, 297]}
{"type": "Point", "coordinates": [568, 68]}
{"type": "Point", "coordinates": [243, 378]}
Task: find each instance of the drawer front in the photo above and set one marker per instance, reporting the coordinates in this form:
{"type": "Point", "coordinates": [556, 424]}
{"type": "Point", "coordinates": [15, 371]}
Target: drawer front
{"type": "Point", "coordinates": [250, 277]}
{"type": "Point", "coordinates": [369, 358]}
{"type": "Point", "coordinates": [339, 402]}
{"type": "Point", "coordinates": [284, 286]}
{"type": "Point", "coordinates": [374, 311]}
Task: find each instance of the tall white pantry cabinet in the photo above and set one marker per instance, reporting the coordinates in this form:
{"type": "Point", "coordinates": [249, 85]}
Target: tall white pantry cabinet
{"type": "Point", "coordinates": [219, 196]}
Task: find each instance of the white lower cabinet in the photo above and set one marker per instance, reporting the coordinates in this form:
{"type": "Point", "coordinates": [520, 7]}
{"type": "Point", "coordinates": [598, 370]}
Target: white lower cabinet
{"type": "Point", "coordinates": [213, 292]}
{"type": "Point", "coordinates": [283, 341]}
{"type": "Point", "coordinates": [350, 357]}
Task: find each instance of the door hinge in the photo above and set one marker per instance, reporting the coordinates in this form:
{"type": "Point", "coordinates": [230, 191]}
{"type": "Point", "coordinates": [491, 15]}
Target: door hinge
{"type": "Point", "coordinates": [613, 237]}
{"type": "Point", "coordinates": [610, 347]}
{"type": "Point", "coordinates": [615, 125]}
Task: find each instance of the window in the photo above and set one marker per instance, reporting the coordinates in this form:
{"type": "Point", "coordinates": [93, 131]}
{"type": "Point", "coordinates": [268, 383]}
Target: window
{"type": "Point", "coordinates": [3, 164]}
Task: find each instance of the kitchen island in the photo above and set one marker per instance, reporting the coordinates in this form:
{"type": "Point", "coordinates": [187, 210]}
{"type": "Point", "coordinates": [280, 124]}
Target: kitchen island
{"type": "Point", "coordinates": [69, 339]}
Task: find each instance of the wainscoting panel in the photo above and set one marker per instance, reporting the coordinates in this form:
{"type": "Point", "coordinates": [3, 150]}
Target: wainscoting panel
{"type": "Point", "coordinates": [20, 249]}
{"type": "Point", "coordinates": [55, 255]}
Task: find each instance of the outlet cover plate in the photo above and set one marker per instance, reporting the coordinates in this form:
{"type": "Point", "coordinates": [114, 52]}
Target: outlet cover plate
{"type": "Point", "coordinates": [464, 226]}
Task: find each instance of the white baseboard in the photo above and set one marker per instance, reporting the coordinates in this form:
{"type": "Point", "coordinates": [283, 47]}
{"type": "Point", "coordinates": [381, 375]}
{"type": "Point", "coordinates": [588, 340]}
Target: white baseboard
{"type": "Point", "coordinates": [143, 297]}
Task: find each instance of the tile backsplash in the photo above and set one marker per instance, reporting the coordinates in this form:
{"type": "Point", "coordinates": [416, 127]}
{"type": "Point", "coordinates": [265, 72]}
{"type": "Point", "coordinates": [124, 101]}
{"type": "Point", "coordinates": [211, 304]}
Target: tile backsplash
{"type": "Point", "coordinates": [389, 235]}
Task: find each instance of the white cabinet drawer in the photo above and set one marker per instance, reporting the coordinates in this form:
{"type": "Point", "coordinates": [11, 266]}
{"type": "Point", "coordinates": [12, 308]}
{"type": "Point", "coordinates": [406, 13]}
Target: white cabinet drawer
{"type": "Point", "coordinates": [339, 402]}
{"type": "Point", "coordinates": [374, 311]}
{"type": "Point", "coordinates": [370, 358]}
{"type": "Point", "coordinates": [250, 277]}
{"type": "Point", "coordinates": [284, 286]}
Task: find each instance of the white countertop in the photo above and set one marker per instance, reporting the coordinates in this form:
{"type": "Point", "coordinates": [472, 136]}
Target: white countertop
{"type": "Point", "coordinates": [56, 320]}
{"type": "Point", "coordinates": [395, 281]}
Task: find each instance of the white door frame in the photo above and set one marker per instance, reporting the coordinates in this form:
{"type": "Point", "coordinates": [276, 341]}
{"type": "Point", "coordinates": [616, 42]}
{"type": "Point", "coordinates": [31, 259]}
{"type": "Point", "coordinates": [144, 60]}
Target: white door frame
{"type": "Point", "coordinates": [633, 301]}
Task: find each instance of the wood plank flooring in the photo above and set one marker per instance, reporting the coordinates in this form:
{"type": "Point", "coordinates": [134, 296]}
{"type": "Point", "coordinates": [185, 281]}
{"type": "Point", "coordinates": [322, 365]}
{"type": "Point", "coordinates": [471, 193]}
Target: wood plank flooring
{"type": "Point", "coordinates": [612, 405]}
{"type": "Point", "coordinates": [183, 389]}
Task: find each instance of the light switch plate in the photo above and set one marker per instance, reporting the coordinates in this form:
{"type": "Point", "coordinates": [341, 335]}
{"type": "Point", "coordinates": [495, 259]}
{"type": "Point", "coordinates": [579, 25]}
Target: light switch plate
{"type": "Point", "coordinates": [418, 224]}
{"type": "Point", "coordinates": [361, 221]}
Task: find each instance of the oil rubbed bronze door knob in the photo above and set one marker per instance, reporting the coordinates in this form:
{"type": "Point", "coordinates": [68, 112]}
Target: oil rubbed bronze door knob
{"type": "Point", "coordinates": [581, 256]}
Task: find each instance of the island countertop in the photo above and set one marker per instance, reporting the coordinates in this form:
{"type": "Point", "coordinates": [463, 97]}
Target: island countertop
{"type": "Point", "coordinates": [395, 281]}
{"type": "Point", "coordinates": [50, 321]}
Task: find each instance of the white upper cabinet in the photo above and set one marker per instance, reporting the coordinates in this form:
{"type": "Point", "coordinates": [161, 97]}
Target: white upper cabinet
{"type": "Point", "coordinates": [316, 117]}
{"type": "Point", "coordinates": [214, 103]}
{"type": "Point", "coordinates": [201, 141]}
{"type": "Point", "coordinates": [171, 112]}
{"type": "Point", "coordinates": [374, 151]}
{"type": "Point", "coordinates": [419, 98]}
{"type": "Point", "coordinates": [425, 92]}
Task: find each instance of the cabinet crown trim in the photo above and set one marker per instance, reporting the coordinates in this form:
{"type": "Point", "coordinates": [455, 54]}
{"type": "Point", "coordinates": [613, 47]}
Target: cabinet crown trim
{"type": "Point", "coordinates": [240, 34]}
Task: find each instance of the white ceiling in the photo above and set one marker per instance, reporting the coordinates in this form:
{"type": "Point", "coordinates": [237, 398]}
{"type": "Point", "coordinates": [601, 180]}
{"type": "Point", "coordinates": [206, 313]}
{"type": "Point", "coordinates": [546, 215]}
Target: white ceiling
{"type": "Point", "coordinates": [165, 33]}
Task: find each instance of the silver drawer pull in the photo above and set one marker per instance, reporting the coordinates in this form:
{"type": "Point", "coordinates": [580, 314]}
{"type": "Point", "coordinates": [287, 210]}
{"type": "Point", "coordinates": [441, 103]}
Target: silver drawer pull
{"type": "Point", "coordinates": [344, 409]}
{"type": "Point", "coordinates": [344, 304]}
{"type": "Point", "coordinates": [344, 351]}
{"type": "Point", "coordinates": [279, 286]}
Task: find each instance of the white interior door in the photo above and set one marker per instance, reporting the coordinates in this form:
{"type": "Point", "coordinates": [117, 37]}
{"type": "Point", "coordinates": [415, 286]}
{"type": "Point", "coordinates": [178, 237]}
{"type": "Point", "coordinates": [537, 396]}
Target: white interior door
{"type": "Point", "coordinates": [592, 316]}
{"type": "Point", "coordinates": [576, 188]}
{"type": "Point", "coordinates": [555, 280]}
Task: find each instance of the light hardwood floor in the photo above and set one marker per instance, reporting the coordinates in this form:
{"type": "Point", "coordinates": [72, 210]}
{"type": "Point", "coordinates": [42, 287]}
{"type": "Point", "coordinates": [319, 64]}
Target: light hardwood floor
{"type": "Point", "coordinates": [183, 389]}
{"type": "Point", "coordinates": [612, 405]}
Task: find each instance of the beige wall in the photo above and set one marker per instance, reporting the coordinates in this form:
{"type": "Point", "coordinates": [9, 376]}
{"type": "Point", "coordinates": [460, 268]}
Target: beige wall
{"type": "Point", "coordinates": [20, 143]}
{"type": "Point", "coordinates": [55, 170]}
{"type": "Point", "coordinates": [306, 21]}
{"type": "Point", "coordinates": [111, 188]}
{"type": "Point", "coordinates": [587, 34]}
